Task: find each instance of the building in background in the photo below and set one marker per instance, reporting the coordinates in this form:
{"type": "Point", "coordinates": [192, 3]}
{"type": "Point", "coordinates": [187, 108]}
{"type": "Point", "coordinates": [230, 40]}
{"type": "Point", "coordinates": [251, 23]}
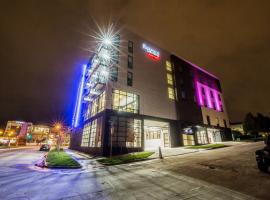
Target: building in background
{"type": "Point", "coordinates": [237, 126]}
{"type": "Point", "coordinates": [39, 133]}
{"type": "Point", "coordinates": [15, 132]}
{"type": "Point", "coordinates": [135, 96]}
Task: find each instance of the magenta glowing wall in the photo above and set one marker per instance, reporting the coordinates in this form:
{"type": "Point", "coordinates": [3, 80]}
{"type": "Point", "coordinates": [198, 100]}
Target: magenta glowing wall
{"type": "Point", "coordinates": [206, 99]}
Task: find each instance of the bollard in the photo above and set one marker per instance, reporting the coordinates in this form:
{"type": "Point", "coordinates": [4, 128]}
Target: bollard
{"type": "Point", "coordinates": [160, 153]}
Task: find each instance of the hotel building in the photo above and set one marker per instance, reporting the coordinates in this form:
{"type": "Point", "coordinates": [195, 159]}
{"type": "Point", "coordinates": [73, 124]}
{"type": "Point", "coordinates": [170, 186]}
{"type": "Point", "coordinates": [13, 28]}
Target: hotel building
{"type": "Point", "coordinates": [136, 96]}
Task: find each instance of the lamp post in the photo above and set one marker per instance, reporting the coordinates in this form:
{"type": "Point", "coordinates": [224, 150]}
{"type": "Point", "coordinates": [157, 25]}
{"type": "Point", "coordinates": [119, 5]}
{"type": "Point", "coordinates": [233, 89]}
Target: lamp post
{"type": "Point", "coordinates": [58, 128]}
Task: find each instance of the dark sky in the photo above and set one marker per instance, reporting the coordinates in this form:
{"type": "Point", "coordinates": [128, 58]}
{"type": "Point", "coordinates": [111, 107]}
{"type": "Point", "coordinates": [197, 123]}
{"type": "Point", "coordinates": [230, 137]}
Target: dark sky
{"type": "Point", "coordinates": [42, 48]}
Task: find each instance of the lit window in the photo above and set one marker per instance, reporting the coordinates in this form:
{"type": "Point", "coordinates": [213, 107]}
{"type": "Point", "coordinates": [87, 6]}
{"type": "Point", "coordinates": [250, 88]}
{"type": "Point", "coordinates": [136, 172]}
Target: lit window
{"type": "Point", "coordinates": [169, 79]}
{"type": "Point", "coordinates": [124, 101]}
{"type": "Point", "coordinates": [97, 105]}
{"type": "Point", "coordinates": [168, 66]}
{"type": "Point", "coordinates": [92, 138]}
{"type": "Point", "coordinates": [86, 134]}
{"type": "Point", "coordinates": [171, 93]}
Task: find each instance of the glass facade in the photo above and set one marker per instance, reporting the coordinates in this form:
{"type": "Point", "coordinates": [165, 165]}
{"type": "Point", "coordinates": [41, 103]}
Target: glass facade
{"type": "Point", "coordinates": [96, 106]}
{"type": "Point", "coordinates": [125, 101]}
{"type": "Point", "coordinates": [126, 132]}
{"type": "Point", "coordinates": [92, 133]}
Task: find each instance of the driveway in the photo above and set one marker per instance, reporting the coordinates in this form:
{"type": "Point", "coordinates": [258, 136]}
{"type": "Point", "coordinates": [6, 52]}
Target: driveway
{"type": "Point", "coordinates": [176, 177]}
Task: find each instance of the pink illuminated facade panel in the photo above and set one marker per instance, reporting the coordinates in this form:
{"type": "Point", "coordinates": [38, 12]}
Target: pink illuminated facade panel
{"type": "Point", "coordinates": [212, 101]}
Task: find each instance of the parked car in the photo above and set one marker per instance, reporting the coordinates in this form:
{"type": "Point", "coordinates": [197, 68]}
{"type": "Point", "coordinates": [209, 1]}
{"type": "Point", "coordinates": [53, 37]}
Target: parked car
{"type": "Point", "coordinates": [45, 147]}
{"type": "Point", "coordinates": [263, 156]}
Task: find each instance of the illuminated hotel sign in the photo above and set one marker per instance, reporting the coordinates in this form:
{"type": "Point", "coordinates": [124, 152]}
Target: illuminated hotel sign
{"type": "Point", "coordinates": [152, 53]}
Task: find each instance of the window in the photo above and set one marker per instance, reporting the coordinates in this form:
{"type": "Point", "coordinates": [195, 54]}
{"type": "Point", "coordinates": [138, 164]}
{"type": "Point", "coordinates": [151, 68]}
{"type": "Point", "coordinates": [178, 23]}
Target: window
{"type": "Point", "coordinates": [221, 108]}
{"type": "Point", "coordinates": [169, 79]}
{"type": "Point", "coordinates": [129, 78]}
{"type": "Point", "coordinates": [114, 74]}
{"type": "Point", "coordinates": [130, 46]}
{"type": "Point", "coordinates": [126, 132]}
{"type": "Point", "coordinates": [225, 123]}
{"type": "Point", "coordinates": [92, 133]}
{"type": "Point", "coordinates": [181, 81]}
{"type": "Point", "coordinates": [208, 120]}
{"type": "Point", "coordinates": [217, 121]}
{"type": "Point", "coordinates": [124, 101]}
{"type": "Point", "coordinates": [168, 66]}
{"type": "Point", "coordinates": [86, 134]}
{"type": "Point", "coordinates": [183, 95]}
{"type": "Point", "coordinates": [180, 69]}
{"type": "Point", "coordinates": [96, 106]}
{"type": "Point", "coordinates": [92, 139]}
{"type": "Point", "coordinates": [171, 93]}
{"type": "Point", "coordinates": [203, 91]}
{"type": "Point", "coordinates": [211, 93]}
{"type": "Point", "coordinates": [130, 61]}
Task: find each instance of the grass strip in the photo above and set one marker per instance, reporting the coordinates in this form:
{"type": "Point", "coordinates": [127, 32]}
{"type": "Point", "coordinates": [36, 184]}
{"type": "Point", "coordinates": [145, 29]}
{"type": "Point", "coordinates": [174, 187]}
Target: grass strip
{"type": "Point", "coordinates": [60, 159]}
{"type": "Point", "coordinates": [126, 158]}
{"type": "Point", "coordinates": [208, 146]}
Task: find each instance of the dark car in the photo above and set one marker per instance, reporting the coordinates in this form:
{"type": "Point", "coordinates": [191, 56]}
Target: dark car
{"type": "Point", "coordinates": [263, 156]}
{"type": "Point", "coordinates": [45, 147]}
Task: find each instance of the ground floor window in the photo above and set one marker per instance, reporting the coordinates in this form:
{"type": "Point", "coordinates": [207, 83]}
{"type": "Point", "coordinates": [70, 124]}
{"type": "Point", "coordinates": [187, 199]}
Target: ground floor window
{"type": "Point", "coordinates": [85, 135]}
{"type": "Point", "coordinates": [92, 133]}
{"type": "Point", "coordinates": [202, 137]}
{"type": "Point", "coordinates": [188, 140]}
{"type": "Point", "coordinates": [125, 132]}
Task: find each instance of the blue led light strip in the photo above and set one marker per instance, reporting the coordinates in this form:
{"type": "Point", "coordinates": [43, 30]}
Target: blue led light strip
{"type": "Point", "coordinates": [77, 111]}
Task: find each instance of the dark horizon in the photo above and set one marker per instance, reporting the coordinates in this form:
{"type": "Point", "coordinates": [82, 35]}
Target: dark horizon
{"type": "Point", "coordinates": [43, 49]}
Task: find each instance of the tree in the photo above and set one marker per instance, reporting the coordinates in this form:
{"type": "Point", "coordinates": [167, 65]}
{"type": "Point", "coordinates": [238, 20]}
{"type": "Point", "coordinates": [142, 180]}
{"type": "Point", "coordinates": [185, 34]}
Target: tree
{"type": "Point", "coordinates": [250, 124]}
{"type": "Point", "coordinates": [254, 124]}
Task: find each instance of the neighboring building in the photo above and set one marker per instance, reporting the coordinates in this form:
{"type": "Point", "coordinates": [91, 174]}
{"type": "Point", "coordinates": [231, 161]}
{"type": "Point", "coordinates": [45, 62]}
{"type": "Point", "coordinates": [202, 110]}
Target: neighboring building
{"type": "Point", "coordinates": [17, 128]}
{"type": "Point", "coordinates": [237, 126]}
{"type": "Point", "coordinates": [40, 133]}
{"type": "Point", "coordinates": [15, 132]}
{"type": "Point", "coordinates": [144, 98]}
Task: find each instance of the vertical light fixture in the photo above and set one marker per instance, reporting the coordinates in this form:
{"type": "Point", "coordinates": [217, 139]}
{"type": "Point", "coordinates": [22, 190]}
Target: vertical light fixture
{"type": "Point", "coordinates": [209, 101]}
{"type": "Point", "coordinates": [199, 94]}
{"type": "Point", "coordinates": [217, 100]}
{"type": "Point", "coordinates": [77, 111]}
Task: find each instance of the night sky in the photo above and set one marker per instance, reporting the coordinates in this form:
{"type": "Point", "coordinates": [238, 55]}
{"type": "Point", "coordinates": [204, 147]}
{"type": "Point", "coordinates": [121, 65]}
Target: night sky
{"type": "Point", "coordinates": [43, 47]}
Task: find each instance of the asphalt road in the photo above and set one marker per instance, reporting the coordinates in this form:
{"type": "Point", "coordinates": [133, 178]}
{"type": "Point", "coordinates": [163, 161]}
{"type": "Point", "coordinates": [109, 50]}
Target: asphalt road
{"type": "Point", "coordinates": [200, 175]}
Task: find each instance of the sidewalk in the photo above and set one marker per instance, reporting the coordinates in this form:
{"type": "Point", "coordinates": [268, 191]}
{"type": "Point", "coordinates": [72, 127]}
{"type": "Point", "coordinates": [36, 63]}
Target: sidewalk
{"type": "Point", "coordinates": [176, 151]}
{"type": "Point", "coordinates": [87, 162]}
{"type": "Point", "coordinates": [168, 152]}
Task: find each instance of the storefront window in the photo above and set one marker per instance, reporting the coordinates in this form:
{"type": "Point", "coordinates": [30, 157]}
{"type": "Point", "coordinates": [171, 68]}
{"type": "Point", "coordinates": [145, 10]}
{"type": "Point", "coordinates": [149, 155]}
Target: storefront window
{"type": "Point", "coordinates": [126, 132]}
{"type": "Point", "coordinates": [92, 133]}
{"type": "Point", "coordinates": [85, 136]}
{"type": "Point", "coordinates": [125, 101]}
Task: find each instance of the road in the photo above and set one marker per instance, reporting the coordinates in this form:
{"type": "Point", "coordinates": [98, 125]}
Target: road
{"type": "Point", "coordinates": [228, 173]}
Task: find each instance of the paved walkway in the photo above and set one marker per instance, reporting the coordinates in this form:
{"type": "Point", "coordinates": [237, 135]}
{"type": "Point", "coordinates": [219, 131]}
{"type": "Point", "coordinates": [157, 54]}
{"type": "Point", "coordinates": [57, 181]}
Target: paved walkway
{"type": "Point", "coordinates": [168, 152]}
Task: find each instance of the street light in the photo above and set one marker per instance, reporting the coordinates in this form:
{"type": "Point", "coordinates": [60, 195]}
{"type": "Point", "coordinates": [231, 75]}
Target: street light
{"type": "Point", "coordinates": [58, 126]}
